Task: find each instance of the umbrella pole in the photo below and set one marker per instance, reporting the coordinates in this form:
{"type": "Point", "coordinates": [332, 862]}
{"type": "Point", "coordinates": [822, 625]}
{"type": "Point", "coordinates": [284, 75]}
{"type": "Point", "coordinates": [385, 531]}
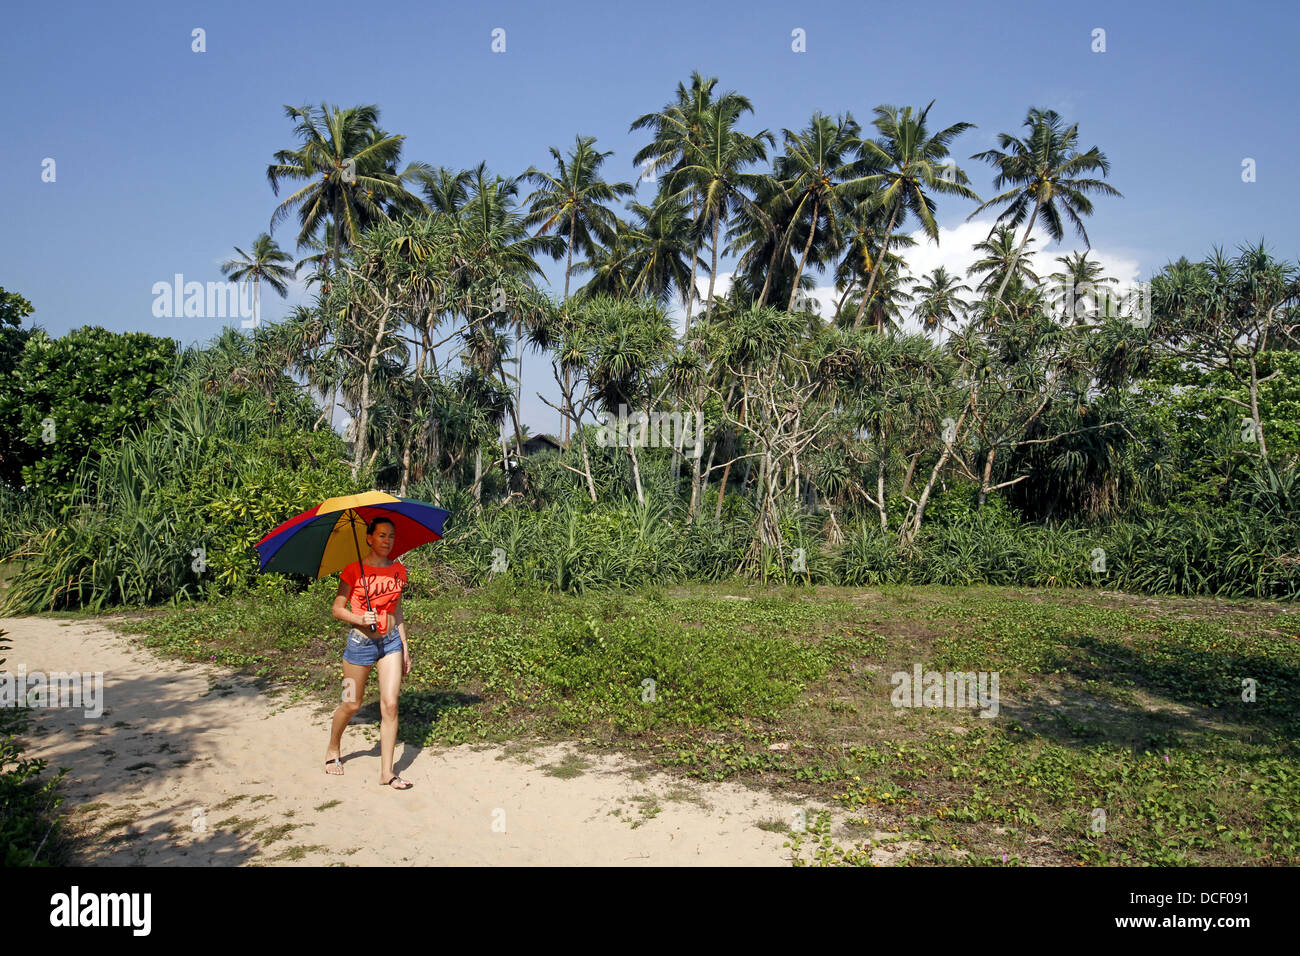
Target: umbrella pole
{"type": "Point", "coordinates": [365, 586]}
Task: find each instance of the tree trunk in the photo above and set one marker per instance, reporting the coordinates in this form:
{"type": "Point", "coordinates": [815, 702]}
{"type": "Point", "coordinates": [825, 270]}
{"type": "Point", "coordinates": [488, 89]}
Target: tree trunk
{"type": "Point", "coordinates": [713, 269]}
{"type": "Point", "coordinates": [1011, 267]}
{"type": "Point", "coordinates": [911, 470]}
{"type": "Point", "coordinates": [771, 267]}
{"type": "Point", "coordinates": [364, 411]}
{"type": "Point", "coordinates": [636, 468]}
{"type": "Point", "coordinates": [880, 493]}
{"type": "Point", "coordinates": [695, 254]}
{"type": "Point", "coordinates": [567, 269]}
{"type": "Point", "coordinates": [1254, 410]}
{"type": "Point", "coordinates": [987, 480]}
{"type": "Point", "coordinates": [722, 489]}
{"type": "Point", "coordinates": [912, 527]}
{"type": "Point", "coordinates": [478, 477]}
{"type": "Point", "coordinates": [406, 465]}
{"type": "Point", "coordinates": [803, 261]}
{"type": "Point", "coordinates": [875, 270]}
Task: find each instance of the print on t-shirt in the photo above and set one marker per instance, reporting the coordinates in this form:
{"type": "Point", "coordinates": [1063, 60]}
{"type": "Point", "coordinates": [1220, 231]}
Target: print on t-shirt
{"type": "Point", "coordinates": [383, 585]}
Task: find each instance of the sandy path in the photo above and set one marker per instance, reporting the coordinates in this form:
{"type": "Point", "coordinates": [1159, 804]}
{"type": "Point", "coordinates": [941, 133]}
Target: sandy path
{"type": "Point", "coordinates": [189, 765]}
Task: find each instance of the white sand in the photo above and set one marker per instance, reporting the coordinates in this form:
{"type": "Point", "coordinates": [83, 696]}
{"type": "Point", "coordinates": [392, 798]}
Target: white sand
{"type": "Point", "coordinates": [236, 777]}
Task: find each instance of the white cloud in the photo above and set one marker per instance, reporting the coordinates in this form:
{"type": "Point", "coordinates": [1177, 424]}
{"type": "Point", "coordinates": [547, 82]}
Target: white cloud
{"type": "Point", "coordinates": [955, 252]}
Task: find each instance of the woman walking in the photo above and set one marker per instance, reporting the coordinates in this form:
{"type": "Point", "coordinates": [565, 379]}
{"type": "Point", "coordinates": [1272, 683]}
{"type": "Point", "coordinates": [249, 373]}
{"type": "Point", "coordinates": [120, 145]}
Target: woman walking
{"type": "Point", "coordinates": [372, 595]}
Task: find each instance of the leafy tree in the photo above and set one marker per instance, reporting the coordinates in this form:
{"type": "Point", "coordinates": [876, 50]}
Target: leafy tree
{"type": "Point", "coordinates": [76, 394]}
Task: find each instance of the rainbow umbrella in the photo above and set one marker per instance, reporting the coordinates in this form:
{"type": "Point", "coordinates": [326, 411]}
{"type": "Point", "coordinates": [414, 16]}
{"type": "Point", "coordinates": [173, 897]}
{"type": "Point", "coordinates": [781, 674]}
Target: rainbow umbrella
{"type": "Point", "coordinates": [327, 538]}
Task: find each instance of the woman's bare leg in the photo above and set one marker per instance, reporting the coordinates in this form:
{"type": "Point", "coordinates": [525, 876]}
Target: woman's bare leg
{"type": "Point", "coordinates": [390, 683]}
{"type": "Point", "coordinates": [354, 689]}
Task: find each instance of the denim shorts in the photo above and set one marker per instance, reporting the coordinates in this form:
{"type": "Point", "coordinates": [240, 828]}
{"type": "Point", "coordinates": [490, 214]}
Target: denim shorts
{"type": "Point", "coordinates": [364, 650]}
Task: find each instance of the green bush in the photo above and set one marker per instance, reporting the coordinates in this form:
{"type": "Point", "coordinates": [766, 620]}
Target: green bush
{"type": "Point", "coordinates": [26, 800]}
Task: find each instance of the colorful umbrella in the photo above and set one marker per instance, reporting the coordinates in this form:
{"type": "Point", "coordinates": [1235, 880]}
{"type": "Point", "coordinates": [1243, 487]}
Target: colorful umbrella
{"type": "Point", "coordinates": [327, 538]}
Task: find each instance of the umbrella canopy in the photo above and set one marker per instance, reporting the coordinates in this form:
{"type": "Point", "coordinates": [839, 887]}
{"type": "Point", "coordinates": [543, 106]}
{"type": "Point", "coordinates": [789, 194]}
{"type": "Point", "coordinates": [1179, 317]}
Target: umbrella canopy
{"type": "Point", "coordinates": [329, 537]}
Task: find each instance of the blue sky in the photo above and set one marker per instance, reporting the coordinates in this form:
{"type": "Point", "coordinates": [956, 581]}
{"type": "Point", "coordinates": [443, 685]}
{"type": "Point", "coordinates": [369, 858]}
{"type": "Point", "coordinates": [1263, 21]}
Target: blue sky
{"type": "Point", "coordinates": [161, 153]}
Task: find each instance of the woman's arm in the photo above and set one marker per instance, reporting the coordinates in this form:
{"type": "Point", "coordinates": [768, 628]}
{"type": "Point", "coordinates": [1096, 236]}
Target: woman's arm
{"type": "Point", "coordinates": [399, 619]}
{"type": "Point", "coordinates": [340, 609]}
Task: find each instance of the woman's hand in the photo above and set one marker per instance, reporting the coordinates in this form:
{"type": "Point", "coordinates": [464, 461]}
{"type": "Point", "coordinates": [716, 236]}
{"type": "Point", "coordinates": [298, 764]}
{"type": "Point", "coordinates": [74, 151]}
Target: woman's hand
{"type": "Point", "coordinates": [406, 659]}
{"type": "Point", "coordinates": [370, 617]}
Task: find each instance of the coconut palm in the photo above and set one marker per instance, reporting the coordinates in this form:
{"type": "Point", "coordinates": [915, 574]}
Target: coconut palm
{"type": "Point", "coordinates": [889, 299]}
{"type": "Point", "coordinates": [912, 164]}
{"type": "Point", "coordinates": [350, 168]}
{"type": "Point", "coordinates": [1044, 171]}
{"type": "Point", "coordinates": [818, 177]}
{"type": "Point", "coordinates": [712, 170]}
{"type": "Point", "coordinates": [570, 201]}
{"type": "Point", "coordinates": [678, 129]}
{"type": "Point", "coordinates": [266, 261]}
{"type": "Point", "coordinates": [940, 298]}
{"type": "Point", "coordinates": [1000, 262]}
{"type": "Point", "coordinates": [762, 234]}
{"type": "Point", "coordinates": [446, 190]}
{"type": "Point", "coordinates": [1080, 277]}
{"type": "Point", "coordinates": [866, 240]}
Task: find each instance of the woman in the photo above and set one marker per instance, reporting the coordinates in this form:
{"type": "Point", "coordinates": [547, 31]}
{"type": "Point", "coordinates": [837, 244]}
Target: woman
{"type": "Point", "coordinates": [383, 583]}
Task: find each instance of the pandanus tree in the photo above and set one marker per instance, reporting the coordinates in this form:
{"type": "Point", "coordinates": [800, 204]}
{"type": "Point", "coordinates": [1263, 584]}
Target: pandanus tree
{"type": "Point", "coordinates": [1048, 176]}
{"type": "Point", "coordinates": [913, 166]}
{"type": "Point", "coordinates": [1222, 315]}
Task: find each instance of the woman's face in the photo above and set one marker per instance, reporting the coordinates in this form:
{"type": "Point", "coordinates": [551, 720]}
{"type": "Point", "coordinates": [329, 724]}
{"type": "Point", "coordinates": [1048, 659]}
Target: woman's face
{"type": "Point", "coordinates": [382, 539]}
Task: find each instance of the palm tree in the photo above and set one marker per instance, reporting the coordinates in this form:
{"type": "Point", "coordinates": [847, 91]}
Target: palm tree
{"type": "Point", "coordinates": [866, 241]}
{"type": "Point", "coordinates": [940, 299]}
{"type": "Point", "coordinates": [1002, 262]}
{"type": "Point", "coordinates": [1044, 169]}
{"type": "Point", "coordinates": [570, 200]}
{"type": "Point", "coordinates": [762, 234]}
{"type": "Point", "coordinates": [678, 129]}
{"type": "Point", "coordinates": [446, 190]}
{"type": "Point", "coordinates": [911, 160]}
{"type": "Point", "coordinates": [711, 169]}
{"type": "Point", "coordinates": [886, 303]}
{"type": "Point", "coordinates": [267, 261]}
{"type": "Point", "coordinates": [818, 177]}
{"type": "Point", "coordinates": [320, 261]}
{"type": "Point", "coordinates": [350, 167]}
{"type": "Point", "coordinates": [1080, 276]}
{"type": "Point", "coordinates": [662, 246]}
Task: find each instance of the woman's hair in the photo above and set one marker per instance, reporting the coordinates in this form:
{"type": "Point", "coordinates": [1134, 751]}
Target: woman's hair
{"type": "Point", "coordinates": [376, 522]}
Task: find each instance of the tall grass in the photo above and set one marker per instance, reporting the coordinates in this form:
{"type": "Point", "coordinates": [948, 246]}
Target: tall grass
{"type": "Point", "coordinates": [173, 511]}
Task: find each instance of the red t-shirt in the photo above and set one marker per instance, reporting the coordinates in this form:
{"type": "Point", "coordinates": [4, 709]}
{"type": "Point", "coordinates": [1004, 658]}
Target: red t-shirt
{"type": "Point", "coordinates": [384, 585]}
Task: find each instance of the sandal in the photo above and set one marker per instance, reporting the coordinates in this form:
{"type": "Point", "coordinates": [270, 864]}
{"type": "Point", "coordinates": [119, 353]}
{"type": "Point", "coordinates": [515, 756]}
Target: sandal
{"type": "Point", "coordinates": [393, 782]}
{"type": "Point", "coordinates": [338, 763]}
